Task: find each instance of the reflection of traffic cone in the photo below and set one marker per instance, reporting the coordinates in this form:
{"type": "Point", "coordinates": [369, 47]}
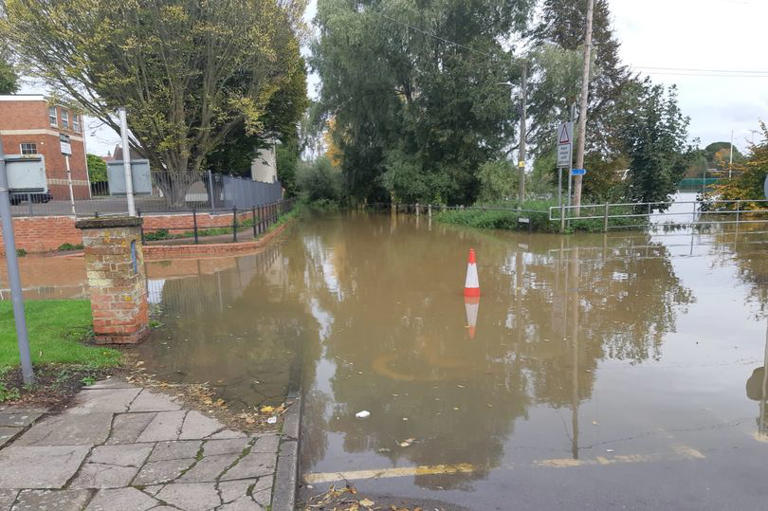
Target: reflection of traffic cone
{"type": "Point", "coordinates": [471, 285]}
{"type": "Point", "coordinates": [471, 304]}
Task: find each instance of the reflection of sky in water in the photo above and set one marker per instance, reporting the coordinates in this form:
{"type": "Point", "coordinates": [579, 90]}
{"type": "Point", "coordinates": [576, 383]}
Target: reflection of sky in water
{"type": "Point", "coordinates": [155, 291]}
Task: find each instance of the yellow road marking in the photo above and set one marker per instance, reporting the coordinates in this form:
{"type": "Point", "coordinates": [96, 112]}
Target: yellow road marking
{"type": "Point", "coordinates": [352, 475]}
{"type": "Point", "coordinates": [680, 452]}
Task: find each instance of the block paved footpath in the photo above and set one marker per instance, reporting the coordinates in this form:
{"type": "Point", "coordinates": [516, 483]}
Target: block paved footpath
{"type": "Point", "coordinates": [120, 447]}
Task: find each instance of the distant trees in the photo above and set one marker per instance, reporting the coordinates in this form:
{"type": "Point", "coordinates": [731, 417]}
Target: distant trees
{"type": "Point", "coordinates": [9, 81]}
{"type": "Point", "coordinates": [415, 92]}
{"type": "Point", "coordinates": [189, 73]}
{"type": "Point", "coordinates": [97, 168]}
{"type": "Point", "coordinates": [748, 175]}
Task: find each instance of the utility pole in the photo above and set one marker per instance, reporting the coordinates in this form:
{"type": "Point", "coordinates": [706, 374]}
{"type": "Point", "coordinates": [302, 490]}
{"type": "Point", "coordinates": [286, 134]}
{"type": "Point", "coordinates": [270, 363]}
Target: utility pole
{"type": "Point", "coordinates": [521, 150]}
{"type": "Point", "coordinates": [127, 162]}
{"type": "Point", "coordinates": [730, 160]}
{"type": "Point", "coordinates": [14, 280]}
{"type": "Point", "coordinates": [584, 102]}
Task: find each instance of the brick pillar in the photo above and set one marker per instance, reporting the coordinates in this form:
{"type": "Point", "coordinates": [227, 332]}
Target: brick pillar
{"type": "Point", "coordinates": [117, 285]}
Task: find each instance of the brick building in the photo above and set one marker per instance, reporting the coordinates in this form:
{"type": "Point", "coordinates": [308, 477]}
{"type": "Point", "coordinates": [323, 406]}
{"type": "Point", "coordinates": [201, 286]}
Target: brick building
{"type": "Point", "coordinates": [31, 124]}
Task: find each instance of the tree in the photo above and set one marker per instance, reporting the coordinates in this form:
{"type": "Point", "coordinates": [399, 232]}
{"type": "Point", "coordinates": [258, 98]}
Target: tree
{"type": "Point", "coordinates": [654, 133]}
{"type": "Point", "coordinates": [414, 91]}
{"type": "Point", "coordinates": [748, 176]}
{"type": "Point", "coordinates": [97, 168]}
{"type": "Point", "coordinates": [724, 150]}
{"type": "Point", "coordinates": [9, 81]}
{"type": "Point", "coordinates": [189, 73]}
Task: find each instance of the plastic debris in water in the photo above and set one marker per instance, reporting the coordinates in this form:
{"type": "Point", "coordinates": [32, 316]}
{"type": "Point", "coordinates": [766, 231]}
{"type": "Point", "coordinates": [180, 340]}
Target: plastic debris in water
{"type": "Point", "coordinates": [363, 414]}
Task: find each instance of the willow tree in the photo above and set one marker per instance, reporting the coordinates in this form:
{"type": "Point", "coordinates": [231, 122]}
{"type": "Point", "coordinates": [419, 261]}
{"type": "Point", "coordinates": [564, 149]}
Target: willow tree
{"type": "Point", "coordinates": [188, 72]}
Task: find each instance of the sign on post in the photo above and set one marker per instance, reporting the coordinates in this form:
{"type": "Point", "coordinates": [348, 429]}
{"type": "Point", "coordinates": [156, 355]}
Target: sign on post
{"type": "Point", "coordinates": [66, 147]}
{"type": "Point", "coordinates": [765, 187]}
{"type": "Point", "coordinates": [565, 145]}
{"type": "Point", "coordinates": [578, 172]}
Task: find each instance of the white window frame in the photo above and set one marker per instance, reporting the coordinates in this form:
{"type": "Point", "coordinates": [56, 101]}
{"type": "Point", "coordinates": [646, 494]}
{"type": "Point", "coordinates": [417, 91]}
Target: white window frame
{"type": "Point", "coordinates": [64, 119]}
{"type": "Point", "coordinates": [53, 119]}
{"type": "Point", "coordinates": [33, 144]}
{"type": "Point", "coordinates": [76, 122]}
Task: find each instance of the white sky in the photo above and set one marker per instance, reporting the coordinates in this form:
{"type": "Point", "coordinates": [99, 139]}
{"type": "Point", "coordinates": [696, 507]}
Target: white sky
{"type": "Point", "coordinates": [696, 34]}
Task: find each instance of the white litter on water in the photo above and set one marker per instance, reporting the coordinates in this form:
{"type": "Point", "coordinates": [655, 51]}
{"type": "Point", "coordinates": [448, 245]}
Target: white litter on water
{"type": "Point", "coordinates": [363, 414]}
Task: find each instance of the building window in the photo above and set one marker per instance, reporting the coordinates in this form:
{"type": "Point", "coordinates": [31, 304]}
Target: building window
{"type": "Point", "coordinates": [28, 148]}
{"type": "Point", "coordinates": [52, 116]}
{"type": "Point", "coordinates": [64, 119]}
{"type": "Point", "coordinates": [76, 122]}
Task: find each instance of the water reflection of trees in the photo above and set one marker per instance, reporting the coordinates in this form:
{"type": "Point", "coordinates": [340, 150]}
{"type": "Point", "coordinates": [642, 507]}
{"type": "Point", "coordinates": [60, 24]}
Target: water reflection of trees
{"type": "Point", "coordinates": [745, 246]}
{"type": "Point", "coordinates": [550, 309]}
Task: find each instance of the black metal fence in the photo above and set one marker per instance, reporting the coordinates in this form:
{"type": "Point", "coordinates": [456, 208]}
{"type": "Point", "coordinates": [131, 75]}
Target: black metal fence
{"type": "Point", "coordinates": [166, 193]}
{"type": "Point", "coordinates": [244, 223]}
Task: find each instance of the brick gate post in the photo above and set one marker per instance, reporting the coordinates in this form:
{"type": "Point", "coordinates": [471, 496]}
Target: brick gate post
{"type": "Point", "coordinates": [117, 284]}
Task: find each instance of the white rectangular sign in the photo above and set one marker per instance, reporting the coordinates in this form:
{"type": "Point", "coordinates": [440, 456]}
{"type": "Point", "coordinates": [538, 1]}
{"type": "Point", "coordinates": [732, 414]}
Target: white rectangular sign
{"type": "Point", "coordinates": [66, 147]}
{"type": "Point", "coordinates": [565, 145]}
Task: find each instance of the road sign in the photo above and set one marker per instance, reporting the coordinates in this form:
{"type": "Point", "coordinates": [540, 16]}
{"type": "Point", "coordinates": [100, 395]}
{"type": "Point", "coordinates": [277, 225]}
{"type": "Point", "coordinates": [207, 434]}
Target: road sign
{"type": "Point", "coordinates": [578, 172]}
{"type": "Point", "coordinates": [565, 145]}
{"type": "Point", "coordinates": [66, 148]}
{"type": "Point", "coordinates": [765, 187]}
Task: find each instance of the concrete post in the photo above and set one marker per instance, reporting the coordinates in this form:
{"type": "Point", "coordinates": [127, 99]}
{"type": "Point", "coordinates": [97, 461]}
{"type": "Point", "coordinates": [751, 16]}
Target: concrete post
{"type": "Point", "coordinates": [117, 284]}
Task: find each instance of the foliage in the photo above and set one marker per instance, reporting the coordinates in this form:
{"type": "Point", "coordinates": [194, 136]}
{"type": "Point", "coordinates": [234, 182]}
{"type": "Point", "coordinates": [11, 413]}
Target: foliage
{"type": "Point", "coordinates": [415, 116]}
{"type": "Point", "coordinates": [9, 80]}
{"type": "Point", "coordinates": [654, 133]}
{"type": "Point", "coordinates": [498, 181]}
{"type": "Point", "coordinates": [748, 177]}
{"type": "Point", "coordinates": [66, 247]}
{"type": "Point", "coordinates": [97, 168]}
{"type": "Point", "coordinates": [723, 149]}
{"type": "Point", "coordinates": [56, 331]}
{"type": "Point", "coordinates": [189, 73]}
{"type": "Point", "coordinates": [319, 180]}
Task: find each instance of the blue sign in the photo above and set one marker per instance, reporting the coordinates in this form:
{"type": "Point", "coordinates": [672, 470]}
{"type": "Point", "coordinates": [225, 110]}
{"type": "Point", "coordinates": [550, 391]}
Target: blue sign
{"type": "Point", "coordinates": [578, 172]}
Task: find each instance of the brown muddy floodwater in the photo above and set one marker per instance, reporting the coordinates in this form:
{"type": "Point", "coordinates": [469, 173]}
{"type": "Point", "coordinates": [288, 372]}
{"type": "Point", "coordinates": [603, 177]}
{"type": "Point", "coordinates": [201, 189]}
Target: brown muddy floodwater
{"type": "Point", "coordinates": [603, 370]}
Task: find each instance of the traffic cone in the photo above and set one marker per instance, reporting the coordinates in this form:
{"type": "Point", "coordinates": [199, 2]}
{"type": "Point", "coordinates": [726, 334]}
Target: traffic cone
{"type": "Point", "coordinates": [471, 285]}
{"type": "Point", "coordinates": [471, 305]}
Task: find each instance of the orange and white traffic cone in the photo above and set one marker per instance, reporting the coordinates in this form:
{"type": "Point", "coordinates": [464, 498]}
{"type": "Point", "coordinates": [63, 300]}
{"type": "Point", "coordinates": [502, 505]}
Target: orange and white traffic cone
{"type": "Point", "coordinates": [471, 305]}
{"type": "Point", "coordinates": [471, 284]}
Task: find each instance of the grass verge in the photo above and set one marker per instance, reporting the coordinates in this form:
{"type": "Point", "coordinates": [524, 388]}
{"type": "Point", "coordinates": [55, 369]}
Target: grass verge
{"type": "Point", "coordinates": [63, 362]}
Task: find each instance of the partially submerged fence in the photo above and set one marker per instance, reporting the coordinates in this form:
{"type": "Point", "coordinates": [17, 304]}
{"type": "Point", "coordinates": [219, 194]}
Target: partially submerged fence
{"type": "Point", "coordinates": [204, 192]}
{"type": "Point", "coordinates": [233, 225]}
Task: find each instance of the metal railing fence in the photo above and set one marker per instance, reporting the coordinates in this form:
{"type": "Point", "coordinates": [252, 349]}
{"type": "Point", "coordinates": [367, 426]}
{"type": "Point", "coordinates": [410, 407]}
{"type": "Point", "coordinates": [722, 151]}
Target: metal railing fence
{"type": "Point", "coordinates": [203, 192]}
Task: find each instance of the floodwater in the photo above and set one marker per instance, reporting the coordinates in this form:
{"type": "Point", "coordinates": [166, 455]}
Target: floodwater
{"type": "Point", "coordinates": [596, 371]}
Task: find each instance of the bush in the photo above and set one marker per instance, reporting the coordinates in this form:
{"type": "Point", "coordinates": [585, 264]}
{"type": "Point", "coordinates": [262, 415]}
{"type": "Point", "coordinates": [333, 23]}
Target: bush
{"type": "Point", "coordinates": [66, 247]}
{"type": "Point", "coordinates": [160, 234]}
{"type": "Point", "coordinates": [319, 180]}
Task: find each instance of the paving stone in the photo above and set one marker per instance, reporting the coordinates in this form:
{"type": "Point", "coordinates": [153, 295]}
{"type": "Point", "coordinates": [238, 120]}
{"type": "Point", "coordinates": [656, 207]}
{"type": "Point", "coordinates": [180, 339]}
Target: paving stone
{"type": "Point", "coordinates": [96, 475]}
{"type": "Point", "coordinates": [228, 433]}
{"type": "Point", "coordinates": [127, 455]}
{"type": "Point", "coordinates": [262, 497]}
{"type": "Point", "coordinates": [51, 500]}
{"type": "Point", "coordinates": [153, 489]}
{"type": "Point", "coordinates": [165, 426]}
{"type": "Point", "coordinates": [233, 490]}
{"type": "Point", "coordinates": [104, 400]}
{"type": "Point", "coordinates": [19, 418]}
{"type": "Point", "coordinates": [39, 467]}
{"type": "Point", "coordinates": [69, 429]}
{"type": "Point", "coordinates": [264, 482]}
{"type": "Point", "coordinates": [123, 499]}
{"type": "Point", "coordinates": [175, 450]}
{"type": "Point", "coordinates": [110, 383]}
{"type": "Point", "coordinates": [242, 504]}
{"type": "Point", "coordinates": [128, 426]}
{"type": "Point", "coordinates": [254, 464]}
{"type": "Point", "coordinates": [209, 468]}
{"type": "Point", "coordinates": [266, 443]}
{"type": "Point", "coordinates": [152, 402]}
{"type": "Point", "coordinates": [191, 496]}
{"type": "Point", "coordinates": [230, 446]}
{"type": "Point", "coordinates": [6, 499]}
{"type": "Point", "coordinates": [7, 433]}
{"type": "Point", "coordinates": [197, 425]}
{"type": "Point", "coordinates": [162, 471]}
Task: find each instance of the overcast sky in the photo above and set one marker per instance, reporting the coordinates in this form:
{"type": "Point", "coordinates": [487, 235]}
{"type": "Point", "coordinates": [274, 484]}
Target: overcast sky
{"type": "Point", "coordinates": [675, 34]}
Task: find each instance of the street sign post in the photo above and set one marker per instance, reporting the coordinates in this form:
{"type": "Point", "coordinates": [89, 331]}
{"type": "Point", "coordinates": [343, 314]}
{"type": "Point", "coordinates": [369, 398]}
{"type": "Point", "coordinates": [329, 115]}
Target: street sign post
{"type": "Point", "coordinates": [578, 172]}
{"type": "Point", "coordinates": [66, 150]}
{"type": "Point", "coordinates": [66, 147]}
{"type": "Point", "coordinates": [765, 187]}
{"type": "Point", "coordinates": [564, 157]}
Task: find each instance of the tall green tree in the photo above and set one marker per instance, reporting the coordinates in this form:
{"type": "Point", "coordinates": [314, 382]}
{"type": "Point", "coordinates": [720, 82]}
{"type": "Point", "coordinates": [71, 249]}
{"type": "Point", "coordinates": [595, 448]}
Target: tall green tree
{"type": "Point", "coordinates": [97, 168]}
{"type": "Point", "coordinates": [9, 80]}
{"type": "Point", "coordinates": [654, 133]}
{"type": "Point", "coordinates": [415, 92]}
{"type": "Point", "coordinates": [188, 72]}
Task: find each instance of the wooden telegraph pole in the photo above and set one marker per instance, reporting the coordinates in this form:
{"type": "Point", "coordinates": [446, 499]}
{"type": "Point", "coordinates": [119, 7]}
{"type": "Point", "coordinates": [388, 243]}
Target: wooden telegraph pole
{"type": "Point", "coordinates": [584, 102]}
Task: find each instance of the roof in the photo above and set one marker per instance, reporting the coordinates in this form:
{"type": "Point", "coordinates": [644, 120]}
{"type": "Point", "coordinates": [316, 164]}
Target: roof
{"type": "Point", "coordinates": [23, 97]}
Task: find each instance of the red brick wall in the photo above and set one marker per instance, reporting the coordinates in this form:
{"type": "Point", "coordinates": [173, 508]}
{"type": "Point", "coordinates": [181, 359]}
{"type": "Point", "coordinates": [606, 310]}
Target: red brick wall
{"type": "Point", "coordinates": [44, 233]}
